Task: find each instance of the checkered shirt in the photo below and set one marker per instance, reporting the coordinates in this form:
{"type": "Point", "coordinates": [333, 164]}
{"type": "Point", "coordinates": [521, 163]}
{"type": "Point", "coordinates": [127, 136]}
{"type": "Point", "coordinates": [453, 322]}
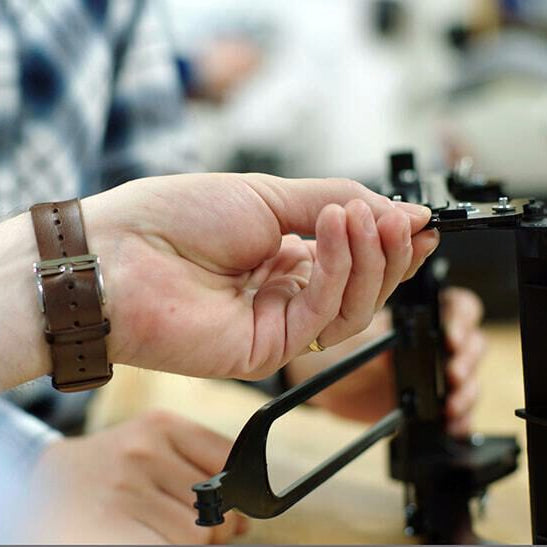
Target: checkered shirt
{"type": "Point", "coordinates": [89, 97]}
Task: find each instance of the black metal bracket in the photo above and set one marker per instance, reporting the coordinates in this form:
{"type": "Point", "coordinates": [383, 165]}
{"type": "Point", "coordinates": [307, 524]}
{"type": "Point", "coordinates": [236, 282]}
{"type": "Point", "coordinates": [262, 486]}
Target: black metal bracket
{"type": "Point", "coordinates": [243, 483]}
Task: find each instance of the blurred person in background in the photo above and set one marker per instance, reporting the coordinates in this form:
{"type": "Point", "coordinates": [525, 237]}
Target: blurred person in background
{"type": "Point", "coordinates": [92, 98]}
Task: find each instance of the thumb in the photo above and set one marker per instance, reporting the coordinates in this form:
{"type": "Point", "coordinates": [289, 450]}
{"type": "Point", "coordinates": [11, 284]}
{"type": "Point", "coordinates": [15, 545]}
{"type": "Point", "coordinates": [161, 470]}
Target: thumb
{"type": "Point", "coordinates": [297, 202]}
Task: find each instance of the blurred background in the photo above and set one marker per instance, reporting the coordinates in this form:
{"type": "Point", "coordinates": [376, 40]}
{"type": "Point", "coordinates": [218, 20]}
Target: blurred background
{"type": "Point", "coordinates": [323, 88]}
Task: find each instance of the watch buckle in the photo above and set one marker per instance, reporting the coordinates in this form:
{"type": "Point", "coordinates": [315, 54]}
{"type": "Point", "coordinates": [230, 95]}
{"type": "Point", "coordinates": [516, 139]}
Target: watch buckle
{"type": "Point", "coordinates": [70, 264]}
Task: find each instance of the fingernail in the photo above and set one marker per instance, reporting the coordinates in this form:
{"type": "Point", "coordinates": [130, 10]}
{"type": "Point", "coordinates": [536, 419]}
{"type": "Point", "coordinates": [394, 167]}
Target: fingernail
{"type": "Point", "coordinates": [435, 235]}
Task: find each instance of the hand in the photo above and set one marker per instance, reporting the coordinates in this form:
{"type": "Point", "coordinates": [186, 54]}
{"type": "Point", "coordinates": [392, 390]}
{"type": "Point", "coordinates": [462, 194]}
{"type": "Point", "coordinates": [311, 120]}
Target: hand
{"type": "Point", "coordinates": [223, 65]}
{"type": "Point", "coordinates": [204, 280]}
{"type": "Point", "coordinates": [462, 313]}
{"type": "Point", "coordinates": [369, 393]}
{"type": "Point", "coordinates": [130, 484]}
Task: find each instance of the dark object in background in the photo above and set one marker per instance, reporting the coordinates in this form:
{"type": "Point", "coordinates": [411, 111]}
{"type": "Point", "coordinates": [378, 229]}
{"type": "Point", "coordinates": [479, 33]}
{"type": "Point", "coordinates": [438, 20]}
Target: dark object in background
{"type": "Point", "coordinates": [458, 37]}
{"type": "Point", "coordinates": [247, 160]}
{"type": "Point", "coordinates": [401, 163]}
{"type": "Point", "coordinates": [388, 17]}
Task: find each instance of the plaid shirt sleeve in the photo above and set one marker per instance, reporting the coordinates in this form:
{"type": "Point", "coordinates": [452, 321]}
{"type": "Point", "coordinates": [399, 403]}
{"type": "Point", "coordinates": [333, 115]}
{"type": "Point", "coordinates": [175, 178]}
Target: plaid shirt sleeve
{"type": "Point", "coordinates": [146, 133]}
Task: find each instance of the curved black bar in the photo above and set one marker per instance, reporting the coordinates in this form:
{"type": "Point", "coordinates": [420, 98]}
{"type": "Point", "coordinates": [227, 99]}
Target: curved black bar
{"type": "Point", "coordinates": [244, 484]}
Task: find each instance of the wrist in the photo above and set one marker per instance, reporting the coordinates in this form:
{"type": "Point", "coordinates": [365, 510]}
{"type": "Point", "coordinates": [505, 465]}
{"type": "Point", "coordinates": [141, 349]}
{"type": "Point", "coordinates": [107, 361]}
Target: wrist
{"type": "Point", "coordinates": [25, 353]}
{"type": "Point", "coordinates": [103, 242]}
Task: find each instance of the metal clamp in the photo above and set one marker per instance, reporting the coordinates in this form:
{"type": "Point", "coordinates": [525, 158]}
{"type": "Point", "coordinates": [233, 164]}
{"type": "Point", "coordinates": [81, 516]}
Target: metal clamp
{"type": "Point", "coordinates": [70, 264]}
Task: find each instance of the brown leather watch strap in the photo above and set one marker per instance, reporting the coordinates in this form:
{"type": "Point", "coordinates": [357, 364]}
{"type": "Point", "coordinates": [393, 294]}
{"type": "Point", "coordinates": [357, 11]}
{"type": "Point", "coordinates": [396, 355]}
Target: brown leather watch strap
{"type": "Point", "coordinates": [70, 292]}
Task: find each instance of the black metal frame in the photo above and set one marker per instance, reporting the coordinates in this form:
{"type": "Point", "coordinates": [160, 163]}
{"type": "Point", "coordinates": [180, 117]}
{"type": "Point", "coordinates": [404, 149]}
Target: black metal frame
{"type": "Point", "coordinates": [244, 484]}
{"type": "Point", "coordinates": [440, 474]}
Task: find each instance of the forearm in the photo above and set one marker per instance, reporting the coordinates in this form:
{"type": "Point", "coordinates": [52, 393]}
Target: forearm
{"type": "Point", "coordinates": [25, 353]}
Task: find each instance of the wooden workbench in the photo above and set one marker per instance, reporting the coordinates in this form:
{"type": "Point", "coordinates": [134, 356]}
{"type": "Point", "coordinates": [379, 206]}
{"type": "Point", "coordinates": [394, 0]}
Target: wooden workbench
{"type": "Point", "coordinates": [360, 504]}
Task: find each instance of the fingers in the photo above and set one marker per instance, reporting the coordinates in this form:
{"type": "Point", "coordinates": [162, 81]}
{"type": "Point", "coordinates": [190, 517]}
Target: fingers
{"type": "Point", "coordinates": [294, 262]}
{"type": "Point", "coordinates": [465, 362]}
{"type": "Point", "coordinates": [464, 385]}
{"type": "Point", "coordinates": [395, 233]}
{"type": "Point", "coordinates": [417, 215]}
{"type": "Point", "coordinates": [176, 522]}
{"type": "Point", "coordinates": [462, 312]}
{"type": "Point", "coordinates": [314, 307]}
{"type": "Point", "coordinates": [460, 404]}
{"type": "Point", "coordinates": [366, 277]}
{"type": "Point", "coordinates": [423, 245]}
{"type": "Point", "coordinates": [380, 253]}
{"type": "Point", "coordinates": [358, 262]}
{"type": "Point", "coordinates": [460, 427]}
{"type": "Point", "coordinates": [176, 476]}
{"type": "Point", "coordinates": [185, 453]}
{"type": "Point", "coordinates": [203, 448]}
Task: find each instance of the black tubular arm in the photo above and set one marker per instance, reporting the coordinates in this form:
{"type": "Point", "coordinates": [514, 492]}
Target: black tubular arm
{"type": "Point", "coordinates": [243, 484]}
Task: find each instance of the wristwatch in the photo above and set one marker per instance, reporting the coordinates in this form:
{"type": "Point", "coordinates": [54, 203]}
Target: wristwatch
{"type": "Point", "coordinates": [70, 290]}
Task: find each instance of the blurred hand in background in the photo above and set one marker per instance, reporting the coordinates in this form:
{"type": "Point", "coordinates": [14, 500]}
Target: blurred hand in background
{"type": "Point", "coordinates": [130, 484]}
{"type": "Point", "coordinates": [369, 393]}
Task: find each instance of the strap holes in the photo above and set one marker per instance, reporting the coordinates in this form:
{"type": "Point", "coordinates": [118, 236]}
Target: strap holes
{"type": "Point", "coordinates": [76, 323]}
{"type": "Point", "coordinates": [81, 357]}
{"type": "Point", "coordinates": [56, 222]}
{"type": "Point", "coordinates": [81, 369]}
{"type": "Point", "coordinates": [55, 210]}
{"type": "Point", "coordinates": [70, 286]}
{"type": "Point", "coordinates": [60, 237]}
{"type": "Point", "coordinates": [73, 306]}
{"type": "Point", "coordinates": [64, 253]}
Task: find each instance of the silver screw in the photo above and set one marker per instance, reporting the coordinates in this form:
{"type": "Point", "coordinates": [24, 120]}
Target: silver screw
{"type": "Point", "coordinates": [397, 197]}
{"type": "Point", "coordinates": [477, 439]}
{"type": "Point", "coordinates": [409, 531]}
{"type": "Point", "coordinates": [467, 206]}
{"type": "Point", "coordinates": [464, 205]}
{"type": "Point", "coordinates": [503, 205]}
{"type": "Point", "coordinates": [408, 176]}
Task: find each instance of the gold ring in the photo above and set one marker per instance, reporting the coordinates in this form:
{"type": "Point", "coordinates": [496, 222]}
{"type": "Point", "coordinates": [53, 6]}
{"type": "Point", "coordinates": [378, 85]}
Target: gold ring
{"type": "Point", "coordinates": [316, 346]}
